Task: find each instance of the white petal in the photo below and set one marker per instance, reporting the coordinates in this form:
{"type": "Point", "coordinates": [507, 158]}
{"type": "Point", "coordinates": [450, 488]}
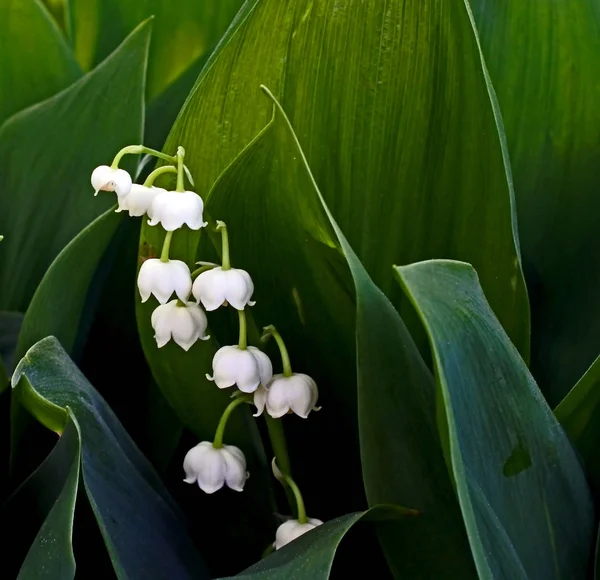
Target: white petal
{"type": "Point", "coordinates": [210, 287]}
{"type": "Point", "coordinates": [224, 372]}
{"type": "Point", "coordinates": [194, 207]}
{"type": "Point", "coordinates": [122, 181]}
{"type": "Point", "coordinates": [247, 372]}
{"type": "Point", "coordinates": [235, 467]}
{"type": "Point", "coordinates": [277, 396]}
{"type": "Point", "coordinates": [260, 398]}
{"type": "Point", "coordinates": [173, 209]}
{"type": "Point", "coordinates": [302, 394]}
{"type": "Point", "coordinates": [161, 321]}
{"type": "Point", "coordinates": [199, 318]}
{"type": "Point", "coordinates": [139, 199]}
{"type": "Point", "coordinates": [211, 476]}
{"type": "Point", "coordinates": [181, 279]}
{"type": "Point", "coordinates": [184, 328]}
{"type": "Point", "coordinates": [192, 461]}
{"type": "Point", "coordinates": [105, 178]}
{"type": "Point", "coordinates": [163, 278]}
{"type": "Point", "coordinates": [292, 529]}
{"type": "Point", "coordinates": [239, 288]}
{"type": "Point", "coordinates": [265, 367]}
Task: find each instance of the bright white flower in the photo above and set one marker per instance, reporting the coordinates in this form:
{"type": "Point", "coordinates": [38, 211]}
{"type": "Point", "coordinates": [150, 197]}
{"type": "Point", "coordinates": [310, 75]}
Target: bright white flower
{"type": "Point", "coordinates": [247, 368]}
{"type": "Point", "coordinates": [292, 529]}
{"type": "Point", "coordinates": [172, 209]}
{"type": "Point", "coordinates": [163, 278]}
{"type": "Point", "coordinates": [184, 324]}
{"type": "Point", "coordinates": [297, 393]}
{"type": "Point", "coordinates": [216, 286]}
{"type": "Point", "coordinates": [212, 468]}
{"type": "Point", "coordinates": [105, 178]}
{"type": "Point", "coordinates": [139, 200]}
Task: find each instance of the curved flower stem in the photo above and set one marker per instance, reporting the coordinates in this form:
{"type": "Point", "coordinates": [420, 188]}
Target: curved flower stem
{"type": "Point", "coordinates": [282, 458]}
{"type": "Point", "coordinates": [164, 255]}
{"type": "Point", "coordinates": [243, 341]}
{"type": "Point", "coordinates": [204, 268]}
{"type": "Point", "coordinates": [222, 227]}
{"type": "Point", "coordinates": [137, 149]}
{"type": "Point", "coordinates": [154, 174]}
{"type": "Point", "coordinates": [285, 357]}
{"type": "Point", "coordinates": [299, 501]}
{"type": "Point", "coordinates": [180, 174]}
{"type": "Point", "coordinates": [218, 442]}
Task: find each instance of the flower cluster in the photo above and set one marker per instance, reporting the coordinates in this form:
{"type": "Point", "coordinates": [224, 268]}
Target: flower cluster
{"type": "Point", "coordinates": [184, 297]}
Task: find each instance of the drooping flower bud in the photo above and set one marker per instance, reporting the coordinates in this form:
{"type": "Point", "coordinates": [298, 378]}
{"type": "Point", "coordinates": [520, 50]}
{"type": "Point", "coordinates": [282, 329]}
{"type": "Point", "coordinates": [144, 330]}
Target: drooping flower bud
{"type": "Point", "coordinates": [139, 200]}
{"type": "Point", "coordinates": [292, 529]}
{"type": "Point", "coordinates": [173, 209]}
{"type": "Point", "coordinates": [105, 178]}
{"type": "Point", "coordinates": [217, 286]}
{"type": "Point", "coordinates": [163, 278]}
{"type": "Point", "coordinates": [185, 323]}
{"type": "Point", "coordinates": [247, 368]}
{"type": "Point", "coordinates": [297, 393]}
{"type": "Point", "coordinates": [212, 468]}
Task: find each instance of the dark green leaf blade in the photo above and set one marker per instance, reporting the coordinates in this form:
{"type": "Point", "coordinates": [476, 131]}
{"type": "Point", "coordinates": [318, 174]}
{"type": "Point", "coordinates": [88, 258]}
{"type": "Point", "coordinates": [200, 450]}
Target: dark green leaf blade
{"type": "Point", "coordinates": [47, 154]}
{"type": "Point", "coordinates": [310, 557]}
{"type": "Point", "coordinates": [57, 305]}
{"type": "Point", "coordinates": [51, 553]}
{"type": "Point", "coordinates": [509, 455]}
{"type": "Point", "coordinates": [391, 130]}
{"type": "Point", "coordinates": [579, 414]}
{"type": "Point", "coordinates": [142, 527]}
{"type": "Point", "coordinates": [10, 326]}
{"type": "Point", "coordinates": [549, 99]}
{"type": "Point", "coordinates": [35, 60]}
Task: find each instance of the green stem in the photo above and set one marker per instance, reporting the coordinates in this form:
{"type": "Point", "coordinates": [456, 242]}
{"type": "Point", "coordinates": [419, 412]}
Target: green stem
{"type": "Point", "coordinates": [285, 357]}
{"type": "Point", "coordinates": [154, 174]}
{"type": "Point", "coordinates": [226, 264]}
{"type": "Point", "coordinates": [282, 458]}
{"type": "Point", "coordinates": [243, 341]}
{"type": "Point", "coordinates": [180, 173]}
{"type": "Point", "coordinates": [136, 150]}
{"type": "Point", "coordinates": [204, 268]}
{"type": "Point", "coordinates": [299, 501]}
{"type": "Point", "coordinates": [218, 442]}
{"type": "Point", "coordinates": [164, 255]}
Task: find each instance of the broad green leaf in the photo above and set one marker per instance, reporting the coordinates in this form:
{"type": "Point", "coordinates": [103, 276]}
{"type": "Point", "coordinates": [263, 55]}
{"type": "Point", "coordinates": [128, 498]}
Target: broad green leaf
{"type": "Point", "coordinates": [10, 326]}
{"type": "Point", "coordinates": [35, 60]}
{"type": "Point", "coordinates": [403, 133]}
{"type": "Point", "coordinates": [47, 154]}
{"type": "Point", "coordinates": [402, 461]}
{"type": "Point", "coordinates": [579, 414]}
{"type": "Point", "coordinates": [524, 497]}
{"type": "Point", "coordinates": [544, 59]}
{"type": "Point", "coordinates": [142, 527]}
{"type": "Point", "coordinates": [311, 556]}
{"type": "Point", "coordinates": [58, 303]}
{"type": "Point", "coordinates": [52, 488]}
{"type": "Point", "coordinates": [182, 32]}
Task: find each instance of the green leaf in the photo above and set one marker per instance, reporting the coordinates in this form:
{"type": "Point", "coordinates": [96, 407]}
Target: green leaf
{"type": "Point", "coordinates": [52, 488]}
{"type": "Point", "coordinates": [579, 414]}
{"type": "Point", "coordinates": [549, 99]}
{"type": "Point", "coordinates": [58, 304]}
{"type": "Point", "coordinates": [141, 524]}
{"type": "Point", "coordinates": [403, 133]}
{"type": "Point", "coordinates": [47, 154]}
{"type": "Point", "coordinates": [35, 60]}
{"type": "Point", "coordinates": [181, 34]}
{"type": "Point", "coordinates": [509, 455]}
{"type": "Point", "coordinates": [10, 326]}
{"type": "Point", "coordinates": [310, 557]}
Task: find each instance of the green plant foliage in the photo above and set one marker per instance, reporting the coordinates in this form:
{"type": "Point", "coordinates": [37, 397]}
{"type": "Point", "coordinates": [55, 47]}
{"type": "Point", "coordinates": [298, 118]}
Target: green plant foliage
{"type": "Point", "coordinates": [10, 326]}
{"type": "Point", "coordinates": [58, 303]}
{"type": "Point", "coordinates": [384, 170]}
{"type": "Point", "coordinates": [35, 60]}
{"type": "Point", "coordinates": [182, 32]}
{"type": "Point", "coordinates": [509, 455]}
{"type": "Point", "coordinates": [141, 524]}
{"type": "Point", "coordinates": [579, 414]}
{"type": "Point", "coordinates": [544, 59]}
{"type": "Point", "coordinates": [311, 557]}
{"type": "Point", "coordinates": [42, 210]}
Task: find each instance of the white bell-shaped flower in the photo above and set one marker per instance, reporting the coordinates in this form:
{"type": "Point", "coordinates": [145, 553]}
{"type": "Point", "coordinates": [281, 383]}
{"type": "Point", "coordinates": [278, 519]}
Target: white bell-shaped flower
{"type": "Point", "coordinates": [105, 178]}
{"type": "Point", "coordinates": [185, 324]}
{"type": "Point", "coordinates": [212, 468]}
{"type": "Point", "coordinates": [216, 286]}
{"type": "Point", "coordinates": [173, 209]}
{"type": "Point", "coordinates": [247, 368]}
{"type": "Point", "coordinates": [297, 393]}
{"type": "Point", "coordinates": [292, 529]}
{"type": "Point", "coordinates": [139, 200]}
{"type": "Point", "coordinates": [163, 278]}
